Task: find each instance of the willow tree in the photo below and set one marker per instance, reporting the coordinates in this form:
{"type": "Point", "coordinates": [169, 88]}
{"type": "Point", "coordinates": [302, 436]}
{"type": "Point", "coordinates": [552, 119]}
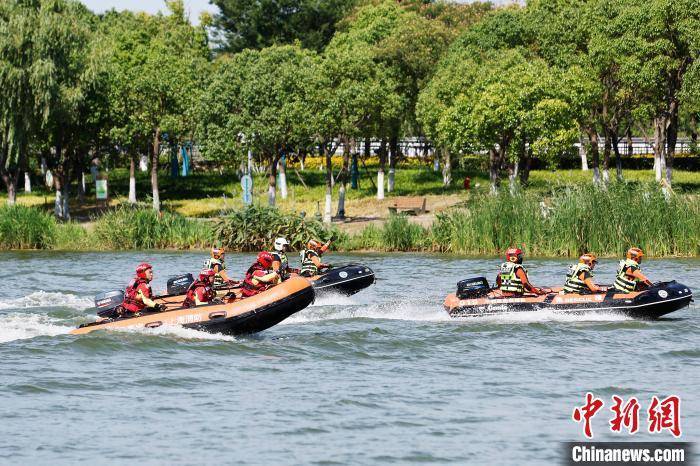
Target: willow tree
{"type": "Point", "coordinates": [26, 80]}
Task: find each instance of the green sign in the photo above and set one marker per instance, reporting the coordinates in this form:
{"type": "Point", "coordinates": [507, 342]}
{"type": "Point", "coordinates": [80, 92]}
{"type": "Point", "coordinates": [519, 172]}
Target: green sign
{"type": "Point", "coordinates": [101, 190]}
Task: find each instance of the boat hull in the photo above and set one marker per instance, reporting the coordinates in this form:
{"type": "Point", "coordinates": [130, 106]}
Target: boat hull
{"type": "Point", "coordinates": [659, 300]}
{"type": "Point", "coordinates": [249, 315]}
{"type": "Point", "coordinates": [346, 280]}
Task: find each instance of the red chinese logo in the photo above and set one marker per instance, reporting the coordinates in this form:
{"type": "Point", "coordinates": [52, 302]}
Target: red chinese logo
{"type": "Point", "coordinates": [665, 414]}
{"type": "Point", "coordinates": [662, 414]}
{"type": "Point", "coordinates": [625, 416]}
{"type": "Point", "coordinates": [586, 412]}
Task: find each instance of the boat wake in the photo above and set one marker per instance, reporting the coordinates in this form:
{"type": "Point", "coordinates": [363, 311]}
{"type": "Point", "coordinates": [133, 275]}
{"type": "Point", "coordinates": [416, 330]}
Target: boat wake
{"type": "Point", "coordinates": [175, 331]}
{"type": "Point", "coordinates": [395, 310]}
{"type": "Point", "coordinates": [47, 299]}
{"type": "Point", "coordinates": [546, 315]}
{"type": "Point", "coordinates": [23, 326]}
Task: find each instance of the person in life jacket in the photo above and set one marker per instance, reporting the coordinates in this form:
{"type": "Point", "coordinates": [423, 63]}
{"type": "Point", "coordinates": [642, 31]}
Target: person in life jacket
{"type": "Point", "coordinates": [629, 274]}
{"type": "Point", "coordinates": [580, 277]}
{"type": "Point", "coordinates": [138, 295]}
{"type": "Point", "coordinates": [259, 276]}
{"type": "Point", "coordinates": [200, 291]}
{"type": "Point", "coordinates": [280, 263]}
{"type": "Point", "coordinates": [216, 263]}
{"type": "Point", "coordinates": [311, 258]}
{"type": "Point", "coordinates": [512, 280]}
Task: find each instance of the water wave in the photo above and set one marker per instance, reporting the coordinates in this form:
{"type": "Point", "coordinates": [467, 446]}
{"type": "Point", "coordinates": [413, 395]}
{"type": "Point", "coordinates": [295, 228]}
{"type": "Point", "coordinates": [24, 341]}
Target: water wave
{"type": "Point", "coordinates": [47, 299]}
{"type": "Point", "coordinates": [22, 326]}
{"type": "Point", "coordinates": [548, 315]}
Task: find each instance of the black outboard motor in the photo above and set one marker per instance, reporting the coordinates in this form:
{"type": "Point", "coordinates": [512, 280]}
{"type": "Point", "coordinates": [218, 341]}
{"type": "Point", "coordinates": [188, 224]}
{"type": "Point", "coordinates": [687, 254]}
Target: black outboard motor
{"type": "Point", "coordinates": [108, 302]}
{"type": "Point", "coordinates": [180, 284]}
{"type": "Point", "coordinates": [470, 288]}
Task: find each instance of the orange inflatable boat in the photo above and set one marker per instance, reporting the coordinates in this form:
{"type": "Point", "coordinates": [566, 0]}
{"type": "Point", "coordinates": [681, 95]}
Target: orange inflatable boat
{"type": "Point", "coordinates": [237, 316]}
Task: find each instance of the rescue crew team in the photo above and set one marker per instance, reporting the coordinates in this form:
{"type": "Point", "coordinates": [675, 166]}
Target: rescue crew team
{"type": "Point", "coordinates": [271, 268]}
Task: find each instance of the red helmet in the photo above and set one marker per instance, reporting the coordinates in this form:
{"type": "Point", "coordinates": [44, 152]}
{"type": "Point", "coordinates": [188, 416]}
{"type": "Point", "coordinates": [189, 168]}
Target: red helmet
{"type": "Point", "coordinates": [514, 255]}
{"type": "Point", "coordinates": [265, 259]}
{"type": "Point", "coordinates": [207, 275]}
{"type": "Point", "coordinates": [142, 268]}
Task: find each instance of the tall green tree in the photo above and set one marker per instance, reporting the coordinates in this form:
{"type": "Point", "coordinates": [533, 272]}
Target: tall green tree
{"type": "Point", "coordinates": [243, 24]}
{"type": "Point", "coordinates": [656, 44]}
{"type": "Point", "coordinates": [159, 69]}
{"type": "Point", "coordinates": [262, 101]}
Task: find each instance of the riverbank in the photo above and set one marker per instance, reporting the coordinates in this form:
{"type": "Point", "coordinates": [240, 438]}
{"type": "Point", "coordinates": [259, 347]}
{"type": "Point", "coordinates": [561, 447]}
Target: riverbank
{"type": "Point", "coordinates": [564, 223]}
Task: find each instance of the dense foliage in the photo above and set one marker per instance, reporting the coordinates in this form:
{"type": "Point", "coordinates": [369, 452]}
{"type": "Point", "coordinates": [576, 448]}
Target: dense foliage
{"type": "Point", "coordinates": [255, 229]}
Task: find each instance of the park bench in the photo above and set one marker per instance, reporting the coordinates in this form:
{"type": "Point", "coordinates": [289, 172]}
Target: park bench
{"type": "Point", "coordinates": [412, 205]}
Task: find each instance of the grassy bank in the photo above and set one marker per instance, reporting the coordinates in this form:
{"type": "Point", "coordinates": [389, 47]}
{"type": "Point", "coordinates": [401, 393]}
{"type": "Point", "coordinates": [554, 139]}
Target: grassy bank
{"type": "Point", "coordinates": [208, 193]}
{"type": "Point", "coordinates": [564, 222]}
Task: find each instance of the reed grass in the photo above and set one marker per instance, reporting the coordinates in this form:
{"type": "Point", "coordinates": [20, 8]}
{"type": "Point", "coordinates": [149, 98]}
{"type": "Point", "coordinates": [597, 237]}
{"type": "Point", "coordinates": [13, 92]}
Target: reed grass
{"type": "Point", "coordinates": [126, 228]}
{"type": "Point", "coordinates": [24, 227]}
{"type": "Point", "coordinates": [574, 220]}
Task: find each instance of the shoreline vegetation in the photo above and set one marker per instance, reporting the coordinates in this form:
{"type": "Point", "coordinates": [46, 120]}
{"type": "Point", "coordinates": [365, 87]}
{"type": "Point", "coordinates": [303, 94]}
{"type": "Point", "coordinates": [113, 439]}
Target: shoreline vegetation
{"type": "Point", "coordinates": [563, 222]}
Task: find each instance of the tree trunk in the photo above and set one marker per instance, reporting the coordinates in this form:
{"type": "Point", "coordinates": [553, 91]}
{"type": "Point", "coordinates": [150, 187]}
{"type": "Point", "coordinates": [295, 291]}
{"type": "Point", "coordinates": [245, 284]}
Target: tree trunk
{"type": "Point", "coordinates": [694, 133]}
{"type": "Point", "coordinates": [282, 165]}
{"type": "Point", "coordinates": [393, 157]}
{"type": "Point", "coordinates": [494, 169]}
{"type": "Point", "coordinates": [272, 180]}
{"type": "Point", "coordinates": [81, 189]}
{"type": "Point", "coordinates": [672, 138]}
{"type": "Point", "coordinates": [660, 127]}
{"type": "Point", "coordinates": [7, 178]}
{"type": "Point", "coordinates": [595, 156]}
{"type": "Point", "coordinates": [607, 147]}
{"type": "Point", "coordinates": [618, 160]}
{"type": "Point", "coordinates": [329, 184]}
{"type": "Point", "coordinates": [380, 172]}
{"type": "Point", "coordinates": [343, 181]}
{"type": "Point", "coordinates": [525, 162]}
{"type": "Point", "coordinates": [513, 169]}
{"type": "Point", "coordinates": [582, 152]}
{"type": "Point", "coordinates": [132, 178]}
{"type": "Point", "coordinates": [446, 166]}
{"type": "Point", "coordinates": [154, 170]}
{"type": "Point", "coordinates": [630, 143]}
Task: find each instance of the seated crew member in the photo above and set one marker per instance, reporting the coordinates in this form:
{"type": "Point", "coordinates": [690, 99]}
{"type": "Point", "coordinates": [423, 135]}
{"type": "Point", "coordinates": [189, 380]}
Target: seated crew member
{"type": "Point", "coordinates": [280, 263]}
{"type": "Point", "coordinates": [311, 258]}
{"type": "Point", "coordinates": [259, 276]}
{"type": "Point", "coordinates": [138, 295]}
{"type": "Point", "coordinates": [580, 277]}
{"type": "Point", "coordinates": [216, 263]}
{"type": "Point", "coordinates": [629, 274]}
{"type": "Point", "coordinates": [512, 280]}
{"type": "Point", "coordinates": [200, 291]}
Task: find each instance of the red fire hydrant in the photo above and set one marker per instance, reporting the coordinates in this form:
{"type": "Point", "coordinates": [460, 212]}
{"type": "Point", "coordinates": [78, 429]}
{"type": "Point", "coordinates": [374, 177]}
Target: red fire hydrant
{"type": "Point", "coordinates": [467, 183]}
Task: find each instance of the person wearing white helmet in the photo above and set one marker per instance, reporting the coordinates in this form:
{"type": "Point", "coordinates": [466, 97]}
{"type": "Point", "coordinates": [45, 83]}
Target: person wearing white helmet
{"type": "Point", "coordinates": [280, 263]}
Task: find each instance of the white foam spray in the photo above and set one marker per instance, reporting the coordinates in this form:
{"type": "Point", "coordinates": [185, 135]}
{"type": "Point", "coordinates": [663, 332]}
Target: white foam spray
{"type": "Point", "coordinates": [22, 326]}
{"type": "Point", "coordinates": [47, 299]}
